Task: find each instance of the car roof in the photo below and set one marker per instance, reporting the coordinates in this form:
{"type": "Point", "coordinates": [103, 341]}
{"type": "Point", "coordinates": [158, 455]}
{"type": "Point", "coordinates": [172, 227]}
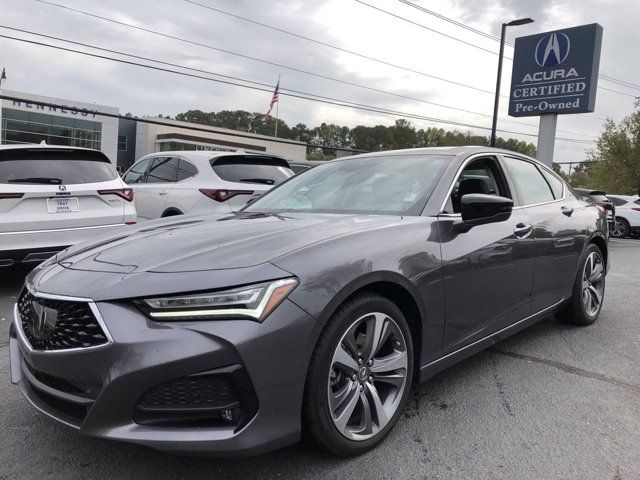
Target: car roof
{"type": "Point", "coordinates": [34, 146]}
{"type": "Point", "coordinates": [629, 198]}
{"type": "Point", "coordinates": [448, 151]}
{"type": "Point", "coordinates": [205, 156]}
{"type": "Point", "coordinates": [590, 191]}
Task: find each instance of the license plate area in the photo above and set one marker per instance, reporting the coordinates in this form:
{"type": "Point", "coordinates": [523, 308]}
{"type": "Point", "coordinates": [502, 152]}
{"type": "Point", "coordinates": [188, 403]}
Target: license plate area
{"type": "Point", "coordinates": [63, 205]}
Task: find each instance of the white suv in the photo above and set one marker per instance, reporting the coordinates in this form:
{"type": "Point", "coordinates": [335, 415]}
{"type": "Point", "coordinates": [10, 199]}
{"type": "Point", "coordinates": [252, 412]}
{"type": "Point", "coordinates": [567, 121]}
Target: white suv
{"type": "Point", "coordinates": [54, 197]}
{"type": "Point", "coordinates": [627, 215]}
{"type": "Point", "coordinates": [174, 183]}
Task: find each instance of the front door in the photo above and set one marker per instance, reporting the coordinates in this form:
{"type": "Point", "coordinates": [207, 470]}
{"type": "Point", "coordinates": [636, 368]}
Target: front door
{"type": "Point", "coordinates": [488, 269]}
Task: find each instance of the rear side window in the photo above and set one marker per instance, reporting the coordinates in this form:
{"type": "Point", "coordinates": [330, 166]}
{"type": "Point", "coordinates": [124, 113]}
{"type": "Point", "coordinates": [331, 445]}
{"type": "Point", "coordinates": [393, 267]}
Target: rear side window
{"type": "Point", "coordinates": [555, 184]}
{"type": "Point", "coordinates": [55, 167]}
{"type": "Point", "coordinates": [163, 170]}
{"type": "Point", "coordinates": [618, 202]}
{"type": "Point", "coordinates": [637, 201]}
{"type": "Point", "coordinates": [532, 185]}
{"type": "Point", "coordinates": [248, 170]}
{"type": "Point", "coordinates": [186, 170]}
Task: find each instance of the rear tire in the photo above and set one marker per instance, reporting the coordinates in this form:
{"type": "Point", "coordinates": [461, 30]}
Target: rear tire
{"type": "Point", "coordinates": [621, 228]}
{"type": "Point", "coordinates": [588, 290]}
{"type": "Point", "coordinates": [360, 376]}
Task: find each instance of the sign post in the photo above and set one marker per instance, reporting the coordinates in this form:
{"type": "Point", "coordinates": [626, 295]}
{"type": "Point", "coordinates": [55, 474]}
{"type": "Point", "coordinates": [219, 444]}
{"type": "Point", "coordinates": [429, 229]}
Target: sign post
{"type": "Point", "coordinates": [547, 137]}
{"type": "Point", "coordinates": [555, 73]}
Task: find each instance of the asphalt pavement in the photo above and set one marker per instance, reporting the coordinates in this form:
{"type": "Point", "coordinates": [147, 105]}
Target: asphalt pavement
{"type": "Point", "coordinates": [553, 401]}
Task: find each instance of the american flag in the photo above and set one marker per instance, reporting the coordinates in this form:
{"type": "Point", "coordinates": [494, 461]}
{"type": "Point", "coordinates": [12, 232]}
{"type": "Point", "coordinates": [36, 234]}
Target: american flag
{"type": "Point", "coordinates": [274, 99]}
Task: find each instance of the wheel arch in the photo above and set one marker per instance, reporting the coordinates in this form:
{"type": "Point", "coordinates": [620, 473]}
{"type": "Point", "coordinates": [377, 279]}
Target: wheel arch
{"type": "Point", "coordinates": [599, 240]}
{"type": "Point", "coordinates": [171, 211]}
{"type": "Point", "coordinates": [394, 287]}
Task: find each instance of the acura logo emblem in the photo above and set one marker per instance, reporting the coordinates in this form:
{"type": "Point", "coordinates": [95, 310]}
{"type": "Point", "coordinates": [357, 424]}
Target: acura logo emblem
{"type": "Point", "coordinates": [43, 320]}
{"type": "Point", "coordinates": [552, 50]}
{"type": "Point", "coordinates": [62, 188]}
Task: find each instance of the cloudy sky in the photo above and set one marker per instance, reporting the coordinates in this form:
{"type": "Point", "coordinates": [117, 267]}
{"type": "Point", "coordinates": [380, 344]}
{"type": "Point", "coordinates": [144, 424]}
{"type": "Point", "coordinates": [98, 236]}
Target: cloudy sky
{"type": "Point", "coordinates": [348, 24]}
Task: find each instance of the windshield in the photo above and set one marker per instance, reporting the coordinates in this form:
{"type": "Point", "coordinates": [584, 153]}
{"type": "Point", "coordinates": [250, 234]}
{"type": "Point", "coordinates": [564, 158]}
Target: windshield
{"type": "Point", "coordinates": [393, 184]}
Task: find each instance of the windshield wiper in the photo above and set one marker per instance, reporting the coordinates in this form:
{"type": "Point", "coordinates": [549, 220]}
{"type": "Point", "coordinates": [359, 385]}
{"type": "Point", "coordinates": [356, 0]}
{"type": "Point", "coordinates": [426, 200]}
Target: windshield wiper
{"type": "Point", "coordinates": [266, 181]}
{"type": "Point", "coordinates": [44, 180]}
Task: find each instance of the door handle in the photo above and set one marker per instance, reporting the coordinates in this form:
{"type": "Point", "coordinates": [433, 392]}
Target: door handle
{"type": "Point", "coordinates": [566, 211]}
{"type": "Point", "coordinates": [523, 230]}
{"type": "Point", "coordinates": [163, 193]}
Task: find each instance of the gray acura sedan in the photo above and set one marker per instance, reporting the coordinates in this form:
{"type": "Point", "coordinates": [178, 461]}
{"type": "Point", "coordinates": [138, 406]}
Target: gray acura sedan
{"type": "Point", "coordinates": [313, 310]}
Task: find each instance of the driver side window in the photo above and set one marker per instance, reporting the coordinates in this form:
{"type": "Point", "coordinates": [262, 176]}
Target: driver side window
{"type": "Point", "coordinates": [479, 176]}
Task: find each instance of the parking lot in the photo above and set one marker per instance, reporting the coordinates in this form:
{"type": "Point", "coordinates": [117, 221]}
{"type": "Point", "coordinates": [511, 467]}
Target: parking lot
{"type": "Point", "coordinates": [553, 401]}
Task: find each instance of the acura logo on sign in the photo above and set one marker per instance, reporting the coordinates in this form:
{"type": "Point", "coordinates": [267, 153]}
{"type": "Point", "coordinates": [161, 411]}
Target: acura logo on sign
{"type": "Point", "coordinates": [43, 320]}
{"type": "Point", "coordinates": [552, 50]}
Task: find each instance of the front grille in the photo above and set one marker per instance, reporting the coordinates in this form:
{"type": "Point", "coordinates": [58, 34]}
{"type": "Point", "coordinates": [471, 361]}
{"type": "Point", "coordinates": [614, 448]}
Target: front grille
{"type": "Point", "coordinates": [204, 391]}
{"type": "Point", "coordinates": [58, 324]}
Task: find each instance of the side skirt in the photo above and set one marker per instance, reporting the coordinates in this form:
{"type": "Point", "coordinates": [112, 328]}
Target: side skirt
{"type": "Point", "coordinates": [429, 370]}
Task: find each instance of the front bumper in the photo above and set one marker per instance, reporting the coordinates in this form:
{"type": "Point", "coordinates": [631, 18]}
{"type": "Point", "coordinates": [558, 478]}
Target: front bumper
{"type": "Point", "coordinates": [144, 354]}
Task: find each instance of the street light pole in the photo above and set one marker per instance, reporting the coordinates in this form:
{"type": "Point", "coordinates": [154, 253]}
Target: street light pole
{"type": "Point", "coordinates": [496, 101]}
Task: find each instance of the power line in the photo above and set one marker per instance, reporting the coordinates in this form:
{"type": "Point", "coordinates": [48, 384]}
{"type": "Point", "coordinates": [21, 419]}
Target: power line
{"type": "Point", "coordinates": [351, 52]}
{"type": "Point", "coordinates": [377, 90]}
{"type": "Point", "coordinates": [428, 28]}
{"type": "Point", "coordinates": [325, 44]}
{"type": "Point", "coordinates": [269, 86]}
{"type": "Point", "coordinates": [336, 103]}
{"type": "Point", "coordinates": [451, 20]}
{"type": "Point", "coordinates": [497, 39]}
{"type": "Point", "coordinates": [248, 57]}
{"type": "Point", "coordinates": [244, 80]}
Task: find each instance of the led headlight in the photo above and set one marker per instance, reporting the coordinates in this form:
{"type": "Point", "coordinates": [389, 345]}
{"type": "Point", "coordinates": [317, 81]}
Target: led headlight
{"type": "Point", "coordinates": [254, 301]}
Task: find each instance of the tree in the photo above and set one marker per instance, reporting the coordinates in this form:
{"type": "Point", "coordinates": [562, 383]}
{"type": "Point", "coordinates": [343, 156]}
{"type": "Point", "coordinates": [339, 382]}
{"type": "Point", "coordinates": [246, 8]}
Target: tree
{"type": "Point", "coordinates": [615, 166]}
{"type": "Point", "coordinates": [329, 136]}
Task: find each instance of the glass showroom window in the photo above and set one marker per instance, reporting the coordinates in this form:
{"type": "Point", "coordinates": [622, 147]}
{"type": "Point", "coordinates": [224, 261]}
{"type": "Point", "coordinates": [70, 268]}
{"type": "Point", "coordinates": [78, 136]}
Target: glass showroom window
{"type": "Point", "coordinates": [31, 127]}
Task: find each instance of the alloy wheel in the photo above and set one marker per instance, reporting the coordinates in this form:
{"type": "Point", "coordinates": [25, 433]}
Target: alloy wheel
{"type": "Point", "coordinates": [368, 376]}
{"type": "Point", "coordinates": [593, 284]}
{"type": "Point", "coordinates": [618, 229]}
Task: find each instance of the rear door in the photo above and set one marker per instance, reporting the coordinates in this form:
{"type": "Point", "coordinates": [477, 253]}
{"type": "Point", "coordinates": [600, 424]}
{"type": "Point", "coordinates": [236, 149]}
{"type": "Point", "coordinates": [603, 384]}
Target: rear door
{"type": "Point", "coordinates": [57, 189]}
{"type": "Point", "coordinates": [245, 175]}
{"type": "Point", "coordinates": [556, 216]}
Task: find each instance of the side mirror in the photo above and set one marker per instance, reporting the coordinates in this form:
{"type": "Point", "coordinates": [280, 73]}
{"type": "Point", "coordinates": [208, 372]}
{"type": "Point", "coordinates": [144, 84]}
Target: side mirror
{"type": "Point", "coordinates": [479, 209]}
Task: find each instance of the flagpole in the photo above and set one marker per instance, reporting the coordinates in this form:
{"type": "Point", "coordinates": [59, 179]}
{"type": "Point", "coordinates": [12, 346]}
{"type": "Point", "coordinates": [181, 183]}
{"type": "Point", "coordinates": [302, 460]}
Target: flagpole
{"type": "Point", "coordinates": [277, 105]}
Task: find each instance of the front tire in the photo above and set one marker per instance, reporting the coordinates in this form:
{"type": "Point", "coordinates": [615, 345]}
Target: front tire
{"type": "Point", "coordinates": [359, 377]}
{"type": "Point", "coordinates": [588, 290]}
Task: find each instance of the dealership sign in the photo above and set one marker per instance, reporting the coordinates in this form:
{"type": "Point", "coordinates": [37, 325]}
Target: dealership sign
{"type": "Point", "coordinates": [556, 72]}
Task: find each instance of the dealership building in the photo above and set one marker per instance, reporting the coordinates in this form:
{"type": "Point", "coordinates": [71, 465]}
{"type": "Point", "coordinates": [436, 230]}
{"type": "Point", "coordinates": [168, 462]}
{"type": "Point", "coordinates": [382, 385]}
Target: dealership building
{"type": "Point", "coordinates": [58, 121]}
{"type": "Point", "coordinates": [29, 118]}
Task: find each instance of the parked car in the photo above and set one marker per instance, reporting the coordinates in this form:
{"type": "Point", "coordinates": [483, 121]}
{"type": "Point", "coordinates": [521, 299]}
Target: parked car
{"type": "Point", "coordinates": [627, 216]}
{"type": "Point", "coordinates": [600, 198]}
{"type": "Point", "coordinates": [174, 183]}
{"type": "Point", "coordinates": [313, 309]}
{"type": "Point", "coordinates": [53, 197]}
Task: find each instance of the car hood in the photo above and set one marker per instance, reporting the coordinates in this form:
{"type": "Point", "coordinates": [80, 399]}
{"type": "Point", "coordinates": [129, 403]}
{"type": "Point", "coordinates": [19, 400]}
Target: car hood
{"type": "Point", "coordinates": [206, 243]}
